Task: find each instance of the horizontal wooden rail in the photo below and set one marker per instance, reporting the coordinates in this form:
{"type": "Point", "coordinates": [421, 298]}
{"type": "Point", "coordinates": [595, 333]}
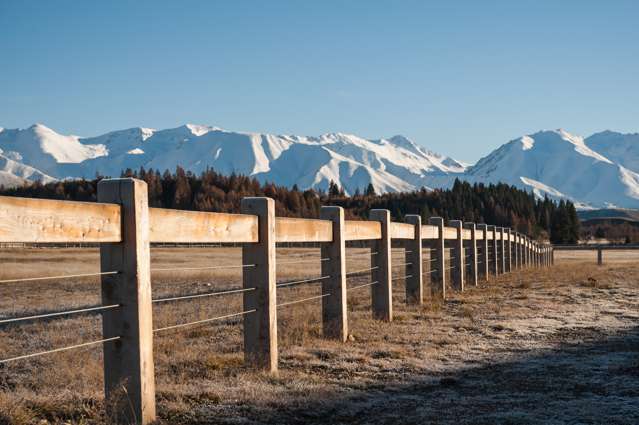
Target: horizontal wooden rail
{"type": "Point", "coordinates": [51, 221]}
{"type": "Point", "coordinates": [355, 230]}
{"type": "Point", "coordinates": [450, 233]}
{"type": "Point", "coordinates": [175, 226]}
{"type": "Point", "coordinates": [402, 231]}
{"type": "Point", "coordinates": [303, 230]}
{"type": "Point", "coordinates": [429, 231]}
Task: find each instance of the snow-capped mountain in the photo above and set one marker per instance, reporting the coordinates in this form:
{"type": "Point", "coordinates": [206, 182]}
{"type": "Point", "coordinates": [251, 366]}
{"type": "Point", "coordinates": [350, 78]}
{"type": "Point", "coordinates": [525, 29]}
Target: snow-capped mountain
{"type": "Point", "coordinates": [599, 171]}
{"type": "Point", "coordinates": [620, 148]}
{"type": "Point", "coordinates": [561, 165]}
{"type": "Point", "coordinates": [394, 164]}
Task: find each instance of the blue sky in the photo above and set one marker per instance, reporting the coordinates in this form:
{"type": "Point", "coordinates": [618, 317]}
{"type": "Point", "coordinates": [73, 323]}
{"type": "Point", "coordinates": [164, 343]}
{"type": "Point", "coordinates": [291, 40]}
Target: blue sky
{"type": "Point", "coordinates": [458, 77]}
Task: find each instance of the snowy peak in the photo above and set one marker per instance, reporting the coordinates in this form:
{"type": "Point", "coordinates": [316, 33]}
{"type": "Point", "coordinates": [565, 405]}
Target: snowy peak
{"type": "Point", "coordinates": [601, 170]}
{"type": "Point", "coordinates": [353, 162]}
{"type": "Point", "coordinates": [561, 165]}
{"type": "Point", "coordinates": [43, 148]}
{"type": "Point", "coordinates": [620, 148]}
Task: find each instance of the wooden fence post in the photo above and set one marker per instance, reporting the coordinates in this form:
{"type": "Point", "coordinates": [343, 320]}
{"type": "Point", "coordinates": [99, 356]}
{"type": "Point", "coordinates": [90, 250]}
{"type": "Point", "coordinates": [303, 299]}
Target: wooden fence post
{"type": "Point", "coordinates": [484, 262]}
{"type": "Point", "coordinates": [334, 312]}
{"type": "Point", "coordinates": [414, 285]}
{"type": "Point", "coordinates": [129, 379]}
{"type": "Point", "coordinates": [533, 259]}
{"type": "Point", "coordinates": [458, 269]}
{"type": "Point", "coordinates": [502, 251]}
{"type": "Point", "coordinates": [515, 249]}
{"type": "Point", "coordinates": [382, 292]}
{"type": "Point", "coordinates": [494, 261]}
{"type": "Point", "coordinates": [438, 260]}
{"type": "Point", "coordinates": [260, 327]}
{"type": "Point", "coordinates": [509, 250]}
{"type": "Point", "coordinates": [472, 259]}
{"type": "Point", "coordinates": [546, 256]}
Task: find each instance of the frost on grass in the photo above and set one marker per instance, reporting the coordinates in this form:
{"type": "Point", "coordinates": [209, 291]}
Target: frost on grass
{"type": "Point", "coordinates": [555, 346]}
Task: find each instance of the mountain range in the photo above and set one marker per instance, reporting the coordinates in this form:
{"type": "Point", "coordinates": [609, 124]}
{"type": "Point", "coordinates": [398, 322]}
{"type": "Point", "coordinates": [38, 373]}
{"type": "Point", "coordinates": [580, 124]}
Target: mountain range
{"type": "Point", "coordinates": [600, 171]}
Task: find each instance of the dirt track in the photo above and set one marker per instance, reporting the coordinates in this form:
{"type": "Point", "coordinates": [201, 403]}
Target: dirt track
{"type": "Point", "coordinates": [554, 346]}
{"type": "Point", "coordinates": [559, 348]}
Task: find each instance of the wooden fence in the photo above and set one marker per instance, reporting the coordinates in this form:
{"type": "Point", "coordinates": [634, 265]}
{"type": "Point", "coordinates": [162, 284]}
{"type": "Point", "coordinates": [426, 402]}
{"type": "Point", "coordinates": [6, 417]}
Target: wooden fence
{"type": "Point", "coordinates": [124, 226]}
{"type": "Point", "coordinates": [600, 248]}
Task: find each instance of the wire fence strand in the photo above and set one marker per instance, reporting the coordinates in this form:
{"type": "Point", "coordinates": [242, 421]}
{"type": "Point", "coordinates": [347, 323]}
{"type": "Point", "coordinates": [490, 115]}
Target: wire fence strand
{"type": "Point", "coordinates": [59, 313]}
{"type": "Point", "coordinates": [361, 254]}
{"type": "Point", "coordinates": [57, 350]}
{"type": "Point", "coordinates": [66, 276]}
{"type": "Point", "coordinates": [311, 260]}
{"type": "Point", "coordinates": [180, 269]}
{"type": "Point", "coordinates": [202, 295]}
{"type": "Point", "coordinates": [303, 300]}
{"type": "Point", "coordinates": [299, 282]}
{"type": "Point", "coordinates": [199, 322]}
{"type": "Point", "coordinates": [356, 272]}
{"type": "Point", "coordinates": [362, 286]}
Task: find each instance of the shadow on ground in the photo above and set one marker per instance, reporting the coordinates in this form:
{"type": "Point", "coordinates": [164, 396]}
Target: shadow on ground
{"type": "Point", "coordinates": [593, 380]}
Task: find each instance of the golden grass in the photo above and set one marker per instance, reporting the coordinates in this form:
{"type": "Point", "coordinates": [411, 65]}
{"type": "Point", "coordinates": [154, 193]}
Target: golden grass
{"type": "Point", "coordinates": [203, 365]}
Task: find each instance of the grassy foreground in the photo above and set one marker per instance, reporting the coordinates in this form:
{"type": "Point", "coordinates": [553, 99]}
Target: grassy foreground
{"type": "Point", "coordinates": [538, 346]}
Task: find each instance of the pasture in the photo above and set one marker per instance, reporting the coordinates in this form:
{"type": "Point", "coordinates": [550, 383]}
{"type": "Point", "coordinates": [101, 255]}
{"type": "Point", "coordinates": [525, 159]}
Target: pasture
{"type": "Point", "coordinates": [529, 346]}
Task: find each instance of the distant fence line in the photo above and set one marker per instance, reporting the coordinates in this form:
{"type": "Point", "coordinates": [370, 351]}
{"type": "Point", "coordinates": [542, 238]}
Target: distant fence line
{"type": "Point", "coordinates": [600, 248]}
{"type": "Point", "coordinates": [125, 227]}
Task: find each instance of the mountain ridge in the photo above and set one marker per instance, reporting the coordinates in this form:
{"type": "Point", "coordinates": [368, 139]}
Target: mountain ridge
{"type": "Point", "coordinates": [601, 170]}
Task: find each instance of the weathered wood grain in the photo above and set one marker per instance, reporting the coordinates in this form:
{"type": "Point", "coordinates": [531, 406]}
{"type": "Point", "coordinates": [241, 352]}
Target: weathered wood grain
{"type": "Point", "coordinates": [175, 226]}
{"type": "Point", "coordinates": [362, 230]}
{"type": "Point", "coordinates": [128, 363]}
{"type": "Point", "coordinates": [402, 231]}
{"type": "Point", "coordinates": [43, 220]}
{"type": "Point", "coordinates": [430, 231]}
{"type": "Point", "coordinates": [303, 230]}
{"type": "Point", "coordinates": [450, 233]}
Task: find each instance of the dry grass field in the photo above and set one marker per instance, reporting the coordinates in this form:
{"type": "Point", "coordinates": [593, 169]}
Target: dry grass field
{"type": "Point", "coordinates": [559, 345]}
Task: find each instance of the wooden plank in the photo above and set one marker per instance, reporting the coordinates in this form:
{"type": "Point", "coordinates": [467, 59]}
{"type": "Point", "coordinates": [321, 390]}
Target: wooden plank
{"type": "Point", "coordinates": [334, 304]}
{"type": "Point", "coordinates": [128, 362]}
{"type": "Point", "coordinates": [176, 226]}
{"type": "Point", "coordinates": [303, 230]}
{"type": "Point", "coordinates": [458, 264]}
{"type": "Point", "coordinates": [44, 220]}
{"type": "Point", "coordinates": [450, 233]}
{"type": "Point", "coordinates": [414, 262]}
{"type": "Point", "coordinates": [382, 292]}
{"type": "Point", "coordinates": [466, 234]}
{"type": "Point", "coordinates": [362, 230]}
{"type": "Point", "coordinates": [473, 275]}
{"type": "Point", "coordinates": [260, 327]}
{"type": "Point", "coordinates": [483, 268]}
{"type": "Point", "coordinates": [402, 231]}
{"type": "Point", "coordinates": [430, 231]}
{"type": "Point", "coordinates": [438, 269]}
{"type": "Point", "coordinates": [479, 234]}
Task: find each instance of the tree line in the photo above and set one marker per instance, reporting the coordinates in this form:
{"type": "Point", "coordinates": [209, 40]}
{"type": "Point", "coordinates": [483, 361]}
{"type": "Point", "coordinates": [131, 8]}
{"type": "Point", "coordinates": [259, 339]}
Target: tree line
{"type": "Point", "coordinates": [498, 204]}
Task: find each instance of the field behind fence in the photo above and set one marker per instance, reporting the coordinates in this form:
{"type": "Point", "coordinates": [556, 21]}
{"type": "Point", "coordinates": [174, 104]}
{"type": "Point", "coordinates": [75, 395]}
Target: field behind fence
{"type": "Point", "coordinates": [436, 258]}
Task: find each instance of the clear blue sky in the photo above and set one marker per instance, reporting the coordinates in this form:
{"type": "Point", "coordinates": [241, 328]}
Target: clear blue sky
{"type": "Point", "coordinates": [460, 77]}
